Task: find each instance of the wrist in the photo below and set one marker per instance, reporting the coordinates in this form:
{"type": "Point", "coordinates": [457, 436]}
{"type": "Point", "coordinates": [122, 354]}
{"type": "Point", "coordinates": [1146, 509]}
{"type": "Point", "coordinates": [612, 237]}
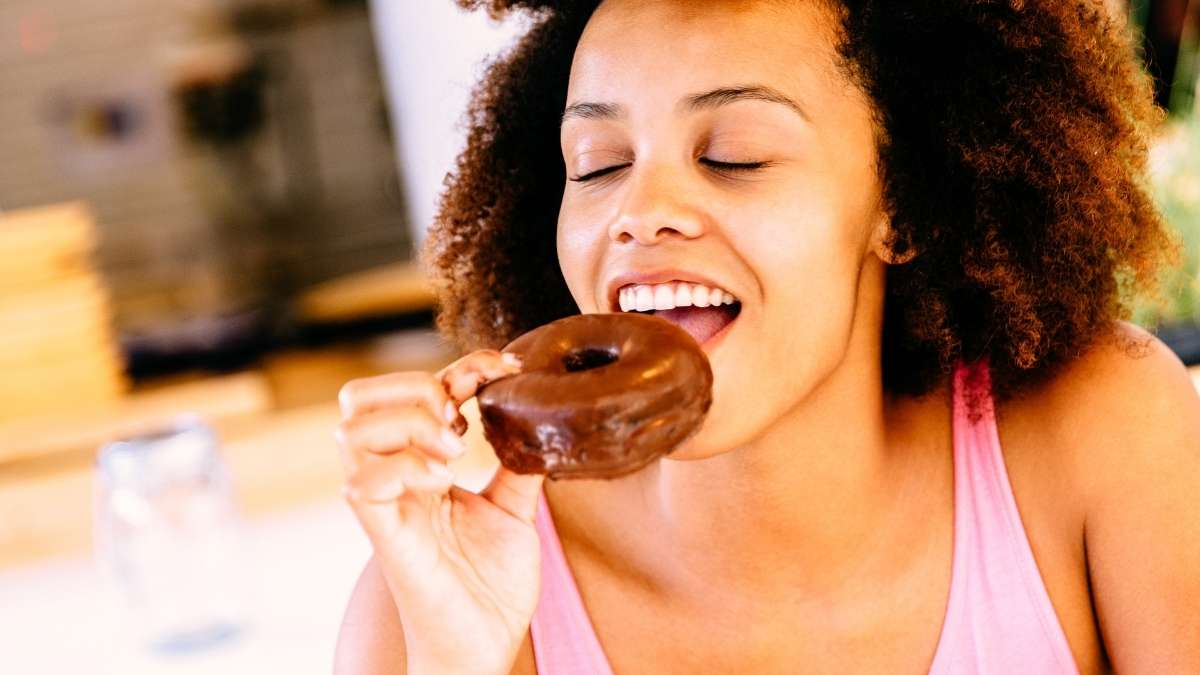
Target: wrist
{"type": "Point", "coordinates": [471, 664]}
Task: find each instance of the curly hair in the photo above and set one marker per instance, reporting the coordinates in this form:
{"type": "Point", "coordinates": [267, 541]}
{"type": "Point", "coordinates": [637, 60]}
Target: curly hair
{"type": "Point", "coordinates": [1012, 148]}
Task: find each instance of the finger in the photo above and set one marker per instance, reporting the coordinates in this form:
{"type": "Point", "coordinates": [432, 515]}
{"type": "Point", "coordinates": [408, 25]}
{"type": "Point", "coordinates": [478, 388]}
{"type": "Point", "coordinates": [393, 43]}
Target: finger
{"type": "Point", "coordinates": [463, 377]}
{"type": "Point", "coordinates": [354, 460]}
{"type": "Point", "coordinates": [389, 500]}
{"type": "Point", "coordinates": [390, 431]}
{"type": "Point", "coordinates": [459, 425]}
{"type": "Point", "coordinates": [394, 390]}
{"type": "Point", "coordinates": [382, 479]}
{"type": "Point", "coordinates": [393, 525]}
{"type": "Point", "coordinates": [403, 535]}
{"type": "Point", "coordinates": [515, 492]}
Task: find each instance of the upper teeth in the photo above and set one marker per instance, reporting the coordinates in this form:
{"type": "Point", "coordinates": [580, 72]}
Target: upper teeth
{"type": "Point", "coordinates": [645, 297]}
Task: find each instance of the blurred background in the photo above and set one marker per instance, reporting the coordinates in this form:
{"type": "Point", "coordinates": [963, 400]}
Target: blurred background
{"type": "Point", "coordinates": [208, 217]}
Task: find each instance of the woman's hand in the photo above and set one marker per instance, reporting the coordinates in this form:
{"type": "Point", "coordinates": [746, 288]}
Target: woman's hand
{"type": "Point", "coordinates": [462, 568]}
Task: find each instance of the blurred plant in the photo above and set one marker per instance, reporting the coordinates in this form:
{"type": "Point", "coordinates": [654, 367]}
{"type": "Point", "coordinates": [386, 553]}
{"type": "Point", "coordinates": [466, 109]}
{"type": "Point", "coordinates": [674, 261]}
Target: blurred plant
{"type": "Point", "coordinates": [1187, 66]}
{"type": "Point", "coordinates": [1175, 180]}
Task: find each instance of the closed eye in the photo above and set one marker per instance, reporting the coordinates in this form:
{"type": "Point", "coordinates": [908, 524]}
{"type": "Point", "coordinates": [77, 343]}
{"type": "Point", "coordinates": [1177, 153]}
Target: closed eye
{"type": "Point", "coordinates": [598, 173]}
{"type": "Point", "coordinates": [725, 167]}
{"type": "Point", "coordinates": [734, 168]}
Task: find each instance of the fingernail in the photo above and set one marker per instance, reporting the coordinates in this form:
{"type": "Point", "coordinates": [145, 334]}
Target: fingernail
{"type": "Point", "coordinates": [511, 359]}
{"type": "Point", "coordinates": [440, 470]}
{"type": "Point", "coordinates": [451, 412]}
{"type": "Point", "coordinates": [454, 442]}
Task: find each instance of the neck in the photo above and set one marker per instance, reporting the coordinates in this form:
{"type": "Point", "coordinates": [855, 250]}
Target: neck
{"type": "Point", "coordinates": [814, 503]}
{"type": "Point", "coordinates": [825, 497]}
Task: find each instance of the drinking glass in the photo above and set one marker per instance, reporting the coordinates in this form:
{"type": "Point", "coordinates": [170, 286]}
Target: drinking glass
{"type": "Point", "coordinates": [167, 532]}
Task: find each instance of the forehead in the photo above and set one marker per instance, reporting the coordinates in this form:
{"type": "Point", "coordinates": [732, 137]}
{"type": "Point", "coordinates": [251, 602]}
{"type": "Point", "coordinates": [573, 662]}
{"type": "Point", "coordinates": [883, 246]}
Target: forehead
{"type": "Point", "coordinates": [653, 51]}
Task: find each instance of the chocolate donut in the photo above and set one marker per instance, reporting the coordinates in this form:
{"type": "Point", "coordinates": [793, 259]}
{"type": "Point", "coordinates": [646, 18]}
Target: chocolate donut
{"type": "Point", "coordinates": [598, 396]}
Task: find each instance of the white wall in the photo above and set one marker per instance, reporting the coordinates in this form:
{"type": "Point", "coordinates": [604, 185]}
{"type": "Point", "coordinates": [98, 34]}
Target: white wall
{"type": "Point", "coordinates": [431, 54]}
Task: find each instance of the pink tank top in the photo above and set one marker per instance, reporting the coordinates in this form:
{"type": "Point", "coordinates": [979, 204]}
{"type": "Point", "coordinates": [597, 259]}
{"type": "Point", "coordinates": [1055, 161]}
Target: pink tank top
{"type": "Point", "coordinates": [998, 619]}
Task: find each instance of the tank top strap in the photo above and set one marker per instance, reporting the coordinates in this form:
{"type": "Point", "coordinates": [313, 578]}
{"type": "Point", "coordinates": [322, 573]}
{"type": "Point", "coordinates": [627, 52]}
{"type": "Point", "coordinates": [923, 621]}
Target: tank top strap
{"type": "Point", "coordinates": [999, 617]}
{"type": "Point", "coordinates": [564, 641]}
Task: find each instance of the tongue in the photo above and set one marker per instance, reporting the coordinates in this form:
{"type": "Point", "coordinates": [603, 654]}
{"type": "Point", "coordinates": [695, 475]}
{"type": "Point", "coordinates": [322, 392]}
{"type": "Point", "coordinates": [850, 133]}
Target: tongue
{"type": "Point", "coordinates": [700, 322]}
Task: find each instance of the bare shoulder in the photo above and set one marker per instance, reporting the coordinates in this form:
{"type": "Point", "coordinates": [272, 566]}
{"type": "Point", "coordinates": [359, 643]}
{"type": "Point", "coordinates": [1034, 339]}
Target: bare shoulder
{"type": "Point", "coordinates": [1127, 415]}
{"type": "Point", "coordinates": [1127, 404]}
{"type": "Point", "coordinates": [371, 640]}
{"type": "Point", "coordinates": [1127, 401]}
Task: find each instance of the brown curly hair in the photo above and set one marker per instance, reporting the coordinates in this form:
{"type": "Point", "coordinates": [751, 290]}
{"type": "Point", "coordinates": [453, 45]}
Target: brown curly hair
{"type": "Point", "coordinates": [1012, 147]}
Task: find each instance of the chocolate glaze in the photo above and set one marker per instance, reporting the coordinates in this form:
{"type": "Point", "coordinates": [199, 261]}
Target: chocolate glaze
{"type": "Point", "coordinates": [598, 396]}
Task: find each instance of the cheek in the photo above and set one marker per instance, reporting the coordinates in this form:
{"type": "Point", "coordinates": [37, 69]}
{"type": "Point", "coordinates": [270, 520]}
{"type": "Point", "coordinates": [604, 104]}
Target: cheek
{"type": "Point", "coordinates": [798, 335]}
{"type": "Point", "coordinates": [805, 264]}
{"type": "Point", "coordinates": [811, 290]}
{"type": "Point", "coordinates": [576, 254]}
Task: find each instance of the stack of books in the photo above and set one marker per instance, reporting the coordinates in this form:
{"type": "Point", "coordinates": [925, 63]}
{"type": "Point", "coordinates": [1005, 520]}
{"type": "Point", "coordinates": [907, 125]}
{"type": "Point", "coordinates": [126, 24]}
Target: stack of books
{"type": "Point", "coordinates": [58, 346]}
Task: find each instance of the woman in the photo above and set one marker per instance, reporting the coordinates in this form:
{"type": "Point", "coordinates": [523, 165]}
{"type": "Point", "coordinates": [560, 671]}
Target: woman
{"type": "Point", "coordinates": [935, 446]}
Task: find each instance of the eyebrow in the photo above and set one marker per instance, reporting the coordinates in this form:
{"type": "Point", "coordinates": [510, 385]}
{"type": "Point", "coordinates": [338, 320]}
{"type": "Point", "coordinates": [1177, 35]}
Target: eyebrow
{"type": "Point", "coordinates": [692, 103]}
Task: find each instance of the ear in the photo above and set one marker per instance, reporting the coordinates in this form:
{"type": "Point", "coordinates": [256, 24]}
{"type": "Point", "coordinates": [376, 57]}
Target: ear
{"type": "Point", "coordinates": [887, 246]}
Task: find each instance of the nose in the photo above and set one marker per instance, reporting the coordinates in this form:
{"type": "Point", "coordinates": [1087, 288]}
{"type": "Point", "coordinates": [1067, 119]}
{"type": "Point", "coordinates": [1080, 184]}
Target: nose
{"type": "Point", "coordinates": [655, 208]}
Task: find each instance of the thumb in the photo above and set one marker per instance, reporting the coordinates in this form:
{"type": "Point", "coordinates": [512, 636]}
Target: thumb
{"type": "Point", "coordinates": [514, 492]}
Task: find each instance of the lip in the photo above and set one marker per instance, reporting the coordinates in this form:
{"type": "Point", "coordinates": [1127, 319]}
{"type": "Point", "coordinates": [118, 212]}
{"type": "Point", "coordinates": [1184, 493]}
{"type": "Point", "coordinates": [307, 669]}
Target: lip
{"type": "Point", "coordinates": [659, 276]}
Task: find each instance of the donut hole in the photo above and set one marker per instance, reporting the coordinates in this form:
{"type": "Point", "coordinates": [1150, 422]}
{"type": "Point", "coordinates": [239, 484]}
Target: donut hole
{"type": "Point", "coordinates": [588, 359]}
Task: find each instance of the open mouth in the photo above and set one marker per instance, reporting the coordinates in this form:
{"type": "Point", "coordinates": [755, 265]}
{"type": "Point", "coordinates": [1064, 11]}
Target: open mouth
{"type": "Point", "coordinates": [702, 315]}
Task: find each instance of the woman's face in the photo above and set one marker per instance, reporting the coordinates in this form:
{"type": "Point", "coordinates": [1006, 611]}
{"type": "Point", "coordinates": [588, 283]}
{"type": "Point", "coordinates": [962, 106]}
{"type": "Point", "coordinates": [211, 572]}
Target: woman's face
{"type": "Point", "coordinates": [789, 240]}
